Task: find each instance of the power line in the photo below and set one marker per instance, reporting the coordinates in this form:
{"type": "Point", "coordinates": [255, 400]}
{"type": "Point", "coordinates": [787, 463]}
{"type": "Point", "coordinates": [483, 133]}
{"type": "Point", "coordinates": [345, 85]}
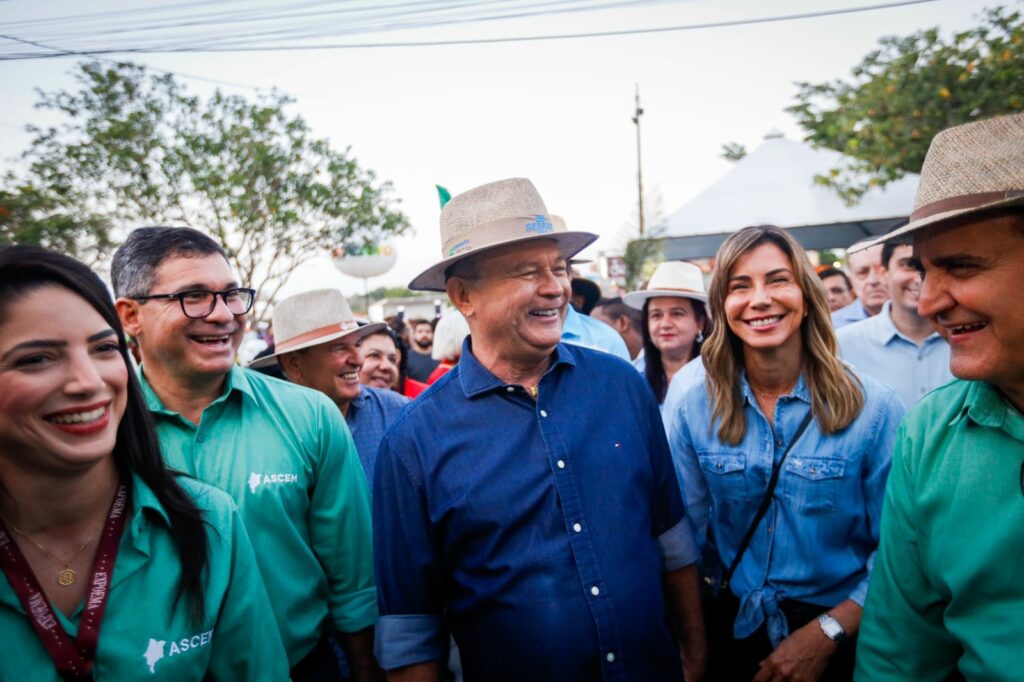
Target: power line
{"type": "Point", "coordinates": [466, 41]}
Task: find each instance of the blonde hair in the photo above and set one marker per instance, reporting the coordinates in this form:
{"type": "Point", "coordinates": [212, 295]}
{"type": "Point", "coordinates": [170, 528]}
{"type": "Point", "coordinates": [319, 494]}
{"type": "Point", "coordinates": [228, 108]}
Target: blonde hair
{"type": "Point", "coordinates": [836, 394]}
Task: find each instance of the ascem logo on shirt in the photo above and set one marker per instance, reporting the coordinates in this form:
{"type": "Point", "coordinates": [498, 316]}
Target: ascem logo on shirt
{"type": "Point", "coordinates": [257, 479]}
{"type": "Point", "coordinates": [158, 650]}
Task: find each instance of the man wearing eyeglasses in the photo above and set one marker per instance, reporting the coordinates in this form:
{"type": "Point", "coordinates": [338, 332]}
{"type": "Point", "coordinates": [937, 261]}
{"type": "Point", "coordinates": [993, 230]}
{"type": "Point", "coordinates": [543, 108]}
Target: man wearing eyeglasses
{"type": "Point", "coordinates": [281, 451]}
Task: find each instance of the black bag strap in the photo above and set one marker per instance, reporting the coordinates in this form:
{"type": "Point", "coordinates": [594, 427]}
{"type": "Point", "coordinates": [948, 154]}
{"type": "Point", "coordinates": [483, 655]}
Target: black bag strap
{"type": "Point", "coordinates": [765, 503]}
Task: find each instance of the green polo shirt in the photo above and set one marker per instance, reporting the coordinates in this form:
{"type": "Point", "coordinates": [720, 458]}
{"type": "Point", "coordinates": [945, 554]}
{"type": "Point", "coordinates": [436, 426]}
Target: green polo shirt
{"type": "Point", "coordinates": [948, 585]}
{"type": "Point", "coordinates": [145, 634]}
{"type": "Point", "coordinates": [284, 454]}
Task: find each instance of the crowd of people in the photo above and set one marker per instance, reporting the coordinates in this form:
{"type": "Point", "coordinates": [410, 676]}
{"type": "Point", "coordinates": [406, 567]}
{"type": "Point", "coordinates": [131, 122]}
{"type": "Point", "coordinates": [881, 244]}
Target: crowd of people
{"type": "Point", "coordinates": [782, 473]}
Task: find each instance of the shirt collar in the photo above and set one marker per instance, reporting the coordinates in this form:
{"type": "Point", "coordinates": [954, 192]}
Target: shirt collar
{"type": "Point", "coordinates": [573, 325]}
{"type": "Point", "coordinates": [799, 391]}
{"type": "Point", "coordinates": [477, 379]}
{"type": "Point", "coordinates": [885, 329]}
{"type": "Point", "coordinates": [986, 406]}
{"type": "Point", "coordinates": [236, 381]}
{"type": "Point", "coordinates": [145, 498]}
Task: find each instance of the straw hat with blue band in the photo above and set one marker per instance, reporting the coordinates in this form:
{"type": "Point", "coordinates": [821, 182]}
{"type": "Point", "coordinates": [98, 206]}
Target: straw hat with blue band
{"type": "Point", "coordinates": [499, 213]}
{"type": "Point", "coordinates": [971, 168]}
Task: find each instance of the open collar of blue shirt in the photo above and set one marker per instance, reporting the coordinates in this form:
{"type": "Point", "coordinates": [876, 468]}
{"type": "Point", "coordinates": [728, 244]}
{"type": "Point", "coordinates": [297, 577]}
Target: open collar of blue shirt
{"type": "Point", "coordinates": [236, 381]}
{"type": "Point", "coordinates": [476, 379]}
{"type": "Point", "coordinates": [883, 329]}
{"type": "Point", "coordinates": [799, 391]}
{"type": "Point", "coordinates": [986, 406]}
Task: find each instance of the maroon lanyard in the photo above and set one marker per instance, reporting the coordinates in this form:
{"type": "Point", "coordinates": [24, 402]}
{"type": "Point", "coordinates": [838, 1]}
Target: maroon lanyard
{"type": "Point", "coordinates": [73, 658]}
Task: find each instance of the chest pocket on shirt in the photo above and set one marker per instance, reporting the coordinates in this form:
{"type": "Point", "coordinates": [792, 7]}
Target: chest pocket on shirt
{"type": "Point", "coordinates": [812, 483]}
{"type": "Point", "coordinates": [723, 472]}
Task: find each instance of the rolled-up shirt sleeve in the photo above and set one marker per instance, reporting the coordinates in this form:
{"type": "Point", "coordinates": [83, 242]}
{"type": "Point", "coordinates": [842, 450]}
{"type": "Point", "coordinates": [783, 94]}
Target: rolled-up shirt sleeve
{"type": "Point", "coordinates": [696, 495]}
{"type": "Point", "coordinates": [340, 526]}
{"type": "Point", "coordinates": [877, 463]}
{"type": "Point", "coordinates": [411, 629]}
{"type": "Point", "coordinates": [671, 527]}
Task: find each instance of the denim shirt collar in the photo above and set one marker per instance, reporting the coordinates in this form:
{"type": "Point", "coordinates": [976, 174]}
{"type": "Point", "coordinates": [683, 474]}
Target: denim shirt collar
{"type": "Point", "coordinates": [476, 379]}
{"type": "Point", "coordinates": [799, 391]}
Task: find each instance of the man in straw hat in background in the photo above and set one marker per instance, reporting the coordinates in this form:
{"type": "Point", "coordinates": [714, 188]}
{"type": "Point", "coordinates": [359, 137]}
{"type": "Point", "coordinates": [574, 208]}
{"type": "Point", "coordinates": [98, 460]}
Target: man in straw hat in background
{"type": "Point", "coordinates": [281, 451]}
{"type": "Point", "coordinates": [527, 500]}
{"type": "Point", "coordinates": [318, 347]}
{"type": "Point", "coordinates": [946, 599]}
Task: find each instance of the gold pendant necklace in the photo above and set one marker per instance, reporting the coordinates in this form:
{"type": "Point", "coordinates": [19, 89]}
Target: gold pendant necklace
{"type": "Point", "coordinates": [533, 391]}
{"type": "Point", "coordinates": [66, 576]}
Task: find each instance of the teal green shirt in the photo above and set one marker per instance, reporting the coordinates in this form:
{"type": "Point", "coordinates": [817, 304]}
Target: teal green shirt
{"type": "Point", "coordinates": [948, 586]}
{"type": "Point", "coordinates": [284, 454]}
{"type": "Point", "coordinates": [144, 634]}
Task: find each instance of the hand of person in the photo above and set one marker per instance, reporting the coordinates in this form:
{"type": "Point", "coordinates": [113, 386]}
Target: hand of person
{"type": "Point", "coordinates": [801, 657]}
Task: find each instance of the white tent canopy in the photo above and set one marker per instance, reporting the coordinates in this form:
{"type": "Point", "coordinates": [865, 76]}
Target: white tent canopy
{"type": "Point", "coordinates": [775, 184]}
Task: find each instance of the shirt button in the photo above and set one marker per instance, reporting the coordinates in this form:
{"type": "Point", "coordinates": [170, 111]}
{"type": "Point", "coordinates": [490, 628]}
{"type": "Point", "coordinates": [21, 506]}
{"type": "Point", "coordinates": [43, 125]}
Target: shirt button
{"type": "Point", "coordinates": [199, 439]}
{"type": "Point", "coordinates": [577, 527]}
{"type": "Point", "coordinates": [510, 389]}
{"type": "Point", "coordinates": [543, 413]}
{"type": "Point", "coordinates": [595, 590]}
{"type": "Point", "coordinates": [561, 464]}
{"type": "Point", "coordinates": [610, 657]}
{"type": "Point", "coordinates": [778, 443]}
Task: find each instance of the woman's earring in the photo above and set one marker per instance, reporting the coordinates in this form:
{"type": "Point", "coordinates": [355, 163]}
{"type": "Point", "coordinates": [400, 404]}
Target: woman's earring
{"type": "Point", "coordinates": [700, 337]}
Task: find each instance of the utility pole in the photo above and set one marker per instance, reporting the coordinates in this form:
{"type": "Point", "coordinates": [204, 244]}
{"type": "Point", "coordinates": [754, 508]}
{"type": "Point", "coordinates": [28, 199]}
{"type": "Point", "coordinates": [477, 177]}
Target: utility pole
{"type": "Point", "coordinates": [639, 168]}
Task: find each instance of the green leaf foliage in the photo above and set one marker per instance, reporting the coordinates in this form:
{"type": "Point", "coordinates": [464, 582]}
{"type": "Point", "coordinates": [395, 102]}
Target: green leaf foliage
{"type": "Point", "coordinates": [136, 149]}
{"type": "Point", "coordinates": [906, 91]}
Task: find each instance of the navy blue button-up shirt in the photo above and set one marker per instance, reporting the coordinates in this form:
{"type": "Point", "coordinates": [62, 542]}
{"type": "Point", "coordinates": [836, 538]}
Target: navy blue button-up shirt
{"type": "Point", "coordinates": [536, 531]}
{"type": "Point", "coordinates": [368, 417]}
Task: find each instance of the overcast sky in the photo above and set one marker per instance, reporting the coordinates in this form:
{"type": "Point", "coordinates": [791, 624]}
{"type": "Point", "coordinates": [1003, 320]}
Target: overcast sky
{"type": "Point", "coordinates": [557, 112]}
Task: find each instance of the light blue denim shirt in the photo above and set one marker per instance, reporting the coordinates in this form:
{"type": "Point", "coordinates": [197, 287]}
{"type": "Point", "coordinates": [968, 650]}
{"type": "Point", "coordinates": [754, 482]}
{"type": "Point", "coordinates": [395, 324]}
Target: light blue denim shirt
{"type": "Point", "coordinates": [583, 330]}
{"type": "Point", "coordinates": [876, 348]}
{"type": "Point", "coordinates": [817, 541]}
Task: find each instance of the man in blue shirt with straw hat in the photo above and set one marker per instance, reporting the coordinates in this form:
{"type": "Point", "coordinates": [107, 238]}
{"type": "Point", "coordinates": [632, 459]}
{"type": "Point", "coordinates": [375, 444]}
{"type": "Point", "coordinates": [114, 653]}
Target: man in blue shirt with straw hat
{"type": "Point", "coordinates": [517, 504]}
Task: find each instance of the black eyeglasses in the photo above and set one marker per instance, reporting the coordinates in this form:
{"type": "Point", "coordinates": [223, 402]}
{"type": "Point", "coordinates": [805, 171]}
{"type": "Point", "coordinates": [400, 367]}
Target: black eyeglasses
{"type": "Point", "coordinates": [199, 303]}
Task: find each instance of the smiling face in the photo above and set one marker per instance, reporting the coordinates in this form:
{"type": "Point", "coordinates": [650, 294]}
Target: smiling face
{"type": "Point", "coordinates": [183, 348]}
{"type": "Point", "coordinates": [63, 382]}
{"type": "Point", "coordinates": [331, 368]}
{"type": "Point", "coordinates": [764, 305]}
{"type": "Point", "coordinates": [380, 361]}
{"type": "Point", "coordinates": [516, 304]}
{"type": "Point", "coordinates": [866, 275]}
{"type": "Point", "coordinates": [971, 293]}
{"type": "Point", "coordinates": [673, 325]}
{"type": "Point", "coordinates": [902, 279]}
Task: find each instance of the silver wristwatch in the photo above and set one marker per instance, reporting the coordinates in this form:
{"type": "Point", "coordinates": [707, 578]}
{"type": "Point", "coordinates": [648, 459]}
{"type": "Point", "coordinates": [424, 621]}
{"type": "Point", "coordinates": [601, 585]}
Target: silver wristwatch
{"type": "Point", "coordinates": [832, 628]}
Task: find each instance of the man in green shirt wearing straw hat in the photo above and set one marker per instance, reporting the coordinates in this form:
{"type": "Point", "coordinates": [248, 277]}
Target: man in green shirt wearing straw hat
{"type": "Point", "coordinates": [946, 599]}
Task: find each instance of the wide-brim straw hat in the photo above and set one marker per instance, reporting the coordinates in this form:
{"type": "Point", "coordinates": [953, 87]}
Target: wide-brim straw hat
{"type": "Point", "coordinates": [671, 278]}
{"type": "Point", "coordinates": [311, 318]}
{"type": "Point", "coordinates": [971, 168]}
{"type": "Point", "coordinates": [499, 213]}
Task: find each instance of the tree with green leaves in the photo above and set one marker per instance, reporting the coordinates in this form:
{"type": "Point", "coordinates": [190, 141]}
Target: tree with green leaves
{"type": "Point", "coordinates": [906, 91]}
{"type": "Point", "coordinates": [136, 149]}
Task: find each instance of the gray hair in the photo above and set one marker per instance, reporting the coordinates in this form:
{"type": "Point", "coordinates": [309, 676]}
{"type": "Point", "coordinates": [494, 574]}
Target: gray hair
{"type": "Point", "coordinates": [451, 330]}
{"type": "Point", "coordinates": [133, 271]}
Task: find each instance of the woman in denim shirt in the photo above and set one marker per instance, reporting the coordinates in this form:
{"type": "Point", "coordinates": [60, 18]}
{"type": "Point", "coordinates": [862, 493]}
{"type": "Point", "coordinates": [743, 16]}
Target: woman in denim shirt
{"type": "Point", "coordinates": [770, 361]}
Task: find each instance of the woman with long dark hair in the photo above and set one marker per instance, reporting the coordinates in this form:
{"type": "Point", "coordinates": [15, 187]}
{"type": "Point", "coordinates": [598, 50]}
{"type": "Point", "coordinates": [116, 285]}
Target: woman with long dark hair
{"type": "Point", "coordinates": [675, 321]}
{"type": "Point", "coordinates": [114, 567]}
{"type": "Point", "coordinates": [783, 455]}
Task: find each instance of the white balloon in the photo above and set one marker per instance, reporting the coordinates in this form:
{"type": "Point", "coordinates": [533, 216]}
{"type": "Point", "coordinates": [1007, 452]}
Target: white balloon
{"type": "Point", "coordinates": [364, 263]}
